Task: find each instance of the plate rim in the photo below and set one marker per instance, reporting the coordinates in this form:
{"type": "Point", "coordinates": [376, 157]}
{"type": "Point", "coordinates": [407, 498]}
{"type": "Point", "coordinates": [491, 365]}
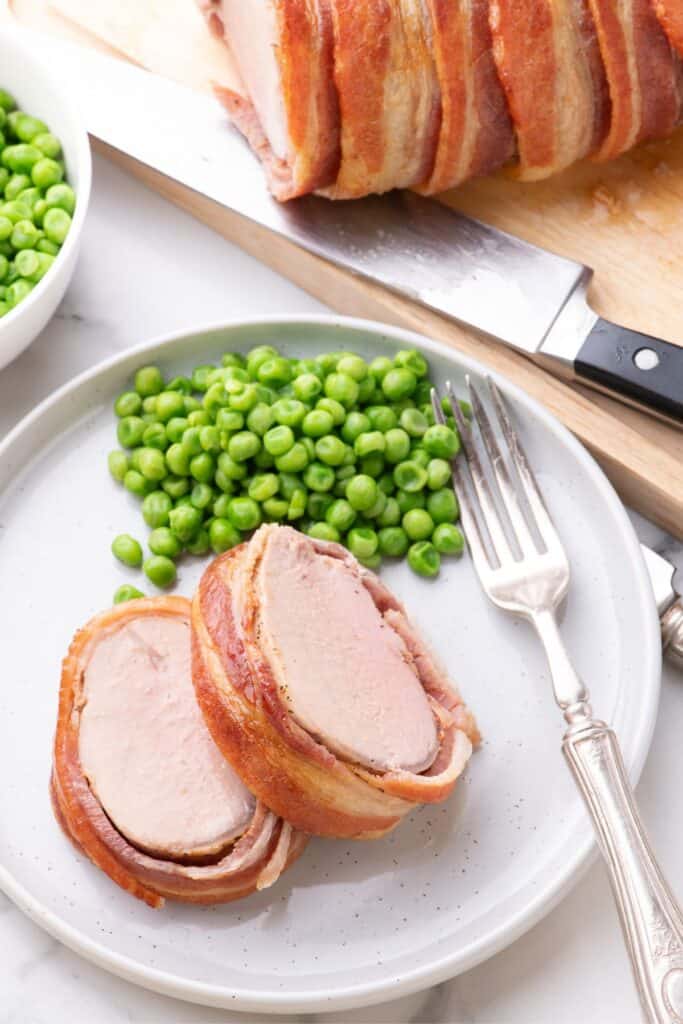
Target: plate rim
{"type": "Point", "coordinates": [448, 965]}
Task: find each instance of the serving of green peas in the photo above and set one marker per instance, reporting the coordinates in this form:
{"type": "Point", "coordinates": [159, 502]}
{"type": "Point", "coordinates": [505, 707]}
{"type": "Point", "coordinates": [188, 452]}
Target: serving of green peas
{"type": "Point", "coordinates": [36, 204]}
{"type": "Point", "coordinates": [341, 448]}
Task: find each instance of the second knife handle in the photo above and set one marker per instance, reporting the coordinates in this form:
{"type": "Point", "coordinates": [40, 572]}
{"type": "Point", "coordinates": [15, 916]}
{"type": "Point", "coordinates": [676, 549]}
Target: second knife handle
{"type": "Point", "coordinates": [672, 633]}
{"type": "Point", "coordinates": [651, 920]}
{"type": "Point", "coordinates": [645, 370]}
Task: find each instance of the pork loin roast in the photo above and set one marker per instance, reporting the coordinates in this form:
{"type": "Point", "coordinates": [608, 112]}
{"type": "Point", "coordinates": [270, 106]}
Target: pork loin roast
{"type": "Point", "coordinates": [318, 690]}
{"type": "Point", "coordinates": [138, 784]}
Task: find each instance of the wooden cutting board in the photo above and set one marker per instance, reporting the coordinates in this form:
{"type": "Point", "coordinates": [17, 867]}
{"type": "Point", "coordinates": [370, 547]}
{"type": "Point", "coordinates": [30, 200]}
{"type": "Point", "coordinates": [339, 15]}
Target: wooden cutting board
{"type": "Point", "coordinates": [625, 219]}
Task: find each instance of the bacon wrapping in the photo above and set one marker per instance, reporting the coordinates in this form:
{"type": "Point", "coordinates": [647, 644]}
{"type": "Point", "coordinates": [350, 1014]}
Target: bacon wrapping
{"type": "Point", "coordinates": [254, 861]}
{"type": "Point", "coordinates": [290, 770]}
{"type": "Point", "coordinates": [290, 115]}
{"type": "Point", "coordinates": [670, 15]}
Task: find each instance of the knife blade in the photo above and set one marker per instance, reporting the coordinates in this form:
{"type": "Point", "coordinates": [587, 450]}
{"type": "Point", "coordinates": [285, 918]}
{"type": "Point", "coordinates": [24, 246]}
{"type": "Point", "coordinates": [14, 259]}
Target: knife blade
{"type": "Point", "coordinates": [669, 603]}
{"type": "Point", "coordinates": [477, 275]}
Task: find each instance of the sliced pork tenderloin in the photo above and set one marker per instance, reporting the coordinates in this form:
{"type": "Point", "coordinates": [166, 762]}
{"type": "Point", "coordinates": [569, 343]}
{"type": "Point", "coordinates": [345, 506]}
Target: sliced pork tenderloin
{"type": "Point", "coordinates": [290, 114]}
{"type": "Point", "coordinates": [138, 783]}
{"type": "Point", "coordinates": [318, 691]}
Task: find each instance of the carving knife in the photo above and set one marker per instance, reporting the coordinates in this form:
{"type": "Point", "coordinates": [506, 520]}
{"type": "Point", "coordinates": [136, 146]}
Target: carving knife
{"type": "Point", "coordinates": [483, 278]}
{"type": "Point", "coordinates": [669, 603]}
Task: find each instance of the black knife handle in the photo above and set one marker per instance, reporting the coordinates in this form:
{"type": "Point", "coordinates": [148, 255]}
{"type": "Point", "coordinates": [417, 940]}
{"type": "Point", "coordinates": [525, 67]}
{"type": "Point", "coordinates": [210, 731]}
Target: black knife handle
{"type": "Point", "coordinates": [647, 370]}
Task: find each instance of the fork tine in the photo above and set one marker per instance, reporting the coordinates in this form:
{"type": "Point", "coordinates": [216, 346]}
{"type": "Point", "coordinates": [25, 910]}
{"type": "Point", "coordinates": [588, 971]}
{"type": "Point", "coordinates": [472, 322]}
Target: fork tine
{"type": "Point", "coordinates": [489, 512]}
{"type": "Point", "coordinates": [525, 473]}
{"type": "Point", "coordinates": [506, 489]}
{"type": "Point", "coordinates": [469, 519]}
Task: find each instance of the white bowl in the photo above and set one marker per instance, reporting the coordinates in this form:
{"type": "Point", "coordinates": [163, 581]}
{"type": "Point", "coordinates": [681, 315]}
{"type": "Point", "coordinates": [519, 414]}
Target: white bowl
{"type": "Point", "coordinates": [40, 92]}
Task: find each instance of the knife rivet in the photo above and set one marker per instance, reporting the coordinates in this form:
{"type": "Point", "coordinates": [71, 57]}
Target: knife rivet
{"type": "Point", "coordinates": [646, 359]}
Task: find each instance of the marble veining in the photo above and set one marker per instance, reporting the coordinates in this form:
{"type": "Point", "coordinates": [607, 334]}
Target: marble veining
{"type": "Point", "coordinates": [147, 268]}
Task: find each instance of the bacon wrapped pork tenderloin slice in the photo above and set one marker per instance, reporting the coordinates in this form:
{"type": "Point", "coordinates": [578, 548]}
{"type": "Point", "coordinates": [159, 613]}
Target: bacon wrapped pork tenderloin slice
{"type": "Point", "coordinates": [549, 62]}
{"type": "Point", "coordinates": [670, 15]}
{"type": "Point", "coordinates": [138, 784]}
{"type": "Point", "coordinates": [290, 116]}
{"type": "Point", "coordinates": [319, 692]}
{"type": "Point", "coordinates": [476, 134]}
{"type": "Point", "coordinates": [389, 95]}
{"type": "Point", "coordinates": [643, 73]}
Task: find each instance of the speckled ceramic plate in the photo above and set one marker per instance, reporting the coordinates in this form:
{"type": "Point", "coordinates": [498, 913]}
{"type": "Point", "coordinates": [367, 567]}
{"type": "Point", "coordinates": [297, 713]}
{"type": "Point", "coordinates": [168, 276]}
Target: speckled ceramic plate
{"type": "Point", "coordinates": [351, 923]}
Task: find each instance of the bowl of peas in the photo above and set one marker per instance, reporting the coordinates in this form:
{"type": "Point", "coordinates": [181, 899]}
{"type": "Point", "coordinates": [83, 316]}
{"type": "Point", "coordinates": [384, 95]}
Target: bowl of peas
{"type": "Point", "coordinates": [45, 175]}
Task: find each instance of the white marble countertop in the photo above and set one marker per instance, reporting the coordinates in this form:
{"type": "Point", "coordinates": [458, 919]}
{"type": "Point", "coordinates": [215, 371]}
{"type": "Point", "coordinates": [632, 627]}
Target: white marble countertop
{"type": "Point", "coordinates": [147, 268]}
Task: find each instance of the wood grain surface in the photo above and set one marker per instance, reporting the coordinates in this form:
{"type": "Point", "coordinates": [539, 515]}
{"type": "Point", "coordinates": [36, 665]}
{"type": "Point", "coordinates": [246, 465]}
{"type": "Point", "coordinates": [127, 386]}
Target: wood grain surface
{"type": "Point", "coordinates": [625, 219]}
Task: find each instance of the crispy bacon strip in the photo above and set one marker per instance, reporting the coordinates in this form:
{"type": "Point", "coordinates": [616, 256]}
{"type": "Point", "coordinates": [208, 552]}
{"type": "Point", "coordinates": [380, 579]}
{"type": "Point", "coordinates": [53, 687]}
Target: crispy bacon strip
{"type": "Point", "coordinates": [389, 95]}
{"type": "Point", "coordinates": [643, 74]}
{"type": "Point", "coordinates": [253, 862]}
{"type": "Point", "coordinates": [476, 131]}
{"type": "Point", "coordinates": [549, 63]}
{"type": "Point", "coordinates": [310, 108]}
{"type": "Point", "coordinates": [277, 759]}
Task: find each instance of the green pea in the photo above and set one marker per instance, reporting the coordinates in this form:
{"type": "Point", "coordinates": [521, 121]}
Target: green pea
{"type": "Point", "coordinates": [279, 440]}
{"type": "Point", "coordinates": [368, 391]}
{"type": "Point", "coordinates": [297, 505]}
{"type": "Point", "coordinates": [223, 535]}
{"type": "Point", "coordinates": [341, 515]}
{"type": "Point", "coordinates": [17, 291]}
{"type": "Point", "coordinates": [210, 439]}
{"type": "Point", "coordinates": [21, 158]}
{"type": "Point", "coordinates": [244, 445]}
{"type": "Point", "coordinates": [353, 366]}
{"type": "Point", "coordinates": [372, 562]}
{"type": "Point", "coordinates": [275, 509]}
{"type": "Point", "coordinates": [30, 196]}
{"type": "Point", "coordinates": [193, 405]}
{"type": "Point", "coordinates": [162, 541]}
{"type": "Point", "coordinates": [24, 235]}
{"type": "Point", "coordinates": [335, 409]}
{"type": "Point", "coordinates": [263, 460]}
{"type": "Point", "coordinates": [317, 423]}
{"type": "Point", "coordinates": [319, 477]}
{"type": "Point", "coordinates": [441, 442]}
{"type": "Point", "coordinates": [149, 381]}
{"type": "Point", "coordinates": [26, 127]}
{"type": "Point", "coordinates": [199, 418]}
{"type": "Point", "coordinates": [118, 464]}
{"type": "Point", "coordinates": [203, 467]}
{"type": "Point", "coordinates": [169, 404]}
{"type": "Point", "coordinates": [448, 540]}
{"type": "Point", "coordinates": [424, 559]}
{"type": "Point", "coordinates": [362, 542]}
{"type": "Point", "coordinates": [200, 544]}
{"type": "Point", "coordinates": [307, 386]}
{"type": "Point", "coordinates": [49, 145]}
{"type": "Point", "coordinates": [260, 419]}
{"type": "Point", "coordinates": [418, 524]}
{"type": "Point", "coordinates": [369, 442]}
{"type": "Point", "coordinates": [128, 403]}
{"type": "Point", "coordinates": [406, 500]}
{"type": "Point", "coordinates": [361, 492]}
{"type": "Point", "coordinates": [346, 470]}
{"type": "Point", "coordinates": [372, 464]}
{"type": "Point", "coordinates": [380, 366]}
{"type": "Point", "coordinates": [399, 383]}
{"type": "Point", "coordinates": [293, 461]}
{"type": "Point", "coordinates": [176, 428]}
{"type": "Point", "coordinates": [178, 460]}
{"type": "Point", "coordinates": [274, 371]}
{"type": "Point", "coordinates": [190, 438]}
{"type": "Point", "coordinates": [289, 412]}
{"type": "Point", "coordinates": [397, 445]}
{"type": "Point", "coordinates": [258, 356]}
{"type": "Point", "coordinates": [46, 172]}
{"type": "Point", "coordinates": [135, 482]}
{"type": "Point", "coordinates": [234, 359]}
{"type": "Point", "coordinates": [181, 384]}
{"type": "Point", "coordinates": [201, 496]}
{"type": "Point", "coordinates": [155, 437]}
{"type": "Point", "coordinates": [420, 456]}
{"type": "Point", "coordinates": [342, 388]}
{"type": "Point", "coordinates": [40, 208]}
{"type": "Point", "coordinates": [127, 550]}
{"type": "Point", "coordinates": [438, 474]}
{"type": "Point", "coordinates": [6, 227]}
{"type": "Point", "coordinates": [230, 468]}
{"type": "Point", "coordinates": [16, 211]}
{"type": "Point", "coordinates": [7, 102]}
{"type": "Point", "coordinates": [244, 513]}
{"type": "Point", "coordinates": [263, 486]}
{"type": "Point", "coordinates": [152, 464]}
{"type": "Point", "coordinates": [323, 531]}
{"type": "Point", "coordinates": [390, 514]}
{"type": "Point", "coordinates": [412, 360]}
{"type": "Point", "coordinates": [413, 422]}
{"type": "Point", "coordinates": [185, 521]}
{"type": "Point", "coordinates": [156, 508]}
{"type": "Point", "coordinates": [382, 417]}
{"type": "Point", "coordinates": [356, 423]}
{"type": "Point", "coordinates": [378, 505]}
{"type": "Point", "coordinates": [160, 570]}
{"type": "Point", "coordinates": [442, 506]}
{"type": "Point", "coordinates": [317, 505]}
{"type": "Point", "coordinates": [393, 541]}
{"type": "Point", "coordinates": [129, 431]}
{"type": "Point", "coordinates": [127, 593]}
{"type": "Point", "coordinates": [199, 377]}
{"type": "Point", "coordinates": [410, 476]}
{"type": "Point", "coordinates": [16, 184]}
{"type": "Point", "coordinates": [330, 450]}
{"type": "Point", "coordinates": [27, 264]}
{"type": "Point", "coordinates": [4, 268]}
{"type": "Point", "coordinates": [289, 484]}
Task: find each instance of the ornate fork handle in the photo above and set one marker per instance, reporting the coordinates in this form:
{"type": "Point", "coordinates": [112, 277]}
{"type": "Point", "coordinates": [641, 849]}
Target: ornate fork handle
{"type": "Point", "coordinates": [651, 921]}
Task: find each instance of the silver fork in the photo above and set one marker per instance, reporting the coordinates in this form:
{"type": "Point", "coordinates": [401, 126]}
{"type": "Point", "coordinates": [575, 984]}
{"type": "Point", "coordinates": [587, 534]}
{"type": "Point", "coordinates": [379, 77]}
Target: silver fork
{"type": "Point", "coordinates": [523, 568]}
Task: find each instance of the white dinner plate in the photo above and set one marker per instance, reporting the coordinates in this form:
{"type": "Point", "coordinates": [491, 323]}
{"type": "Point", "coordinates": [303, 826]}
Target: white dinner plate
{"type": "Point", "coordinates": [351, 923]}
